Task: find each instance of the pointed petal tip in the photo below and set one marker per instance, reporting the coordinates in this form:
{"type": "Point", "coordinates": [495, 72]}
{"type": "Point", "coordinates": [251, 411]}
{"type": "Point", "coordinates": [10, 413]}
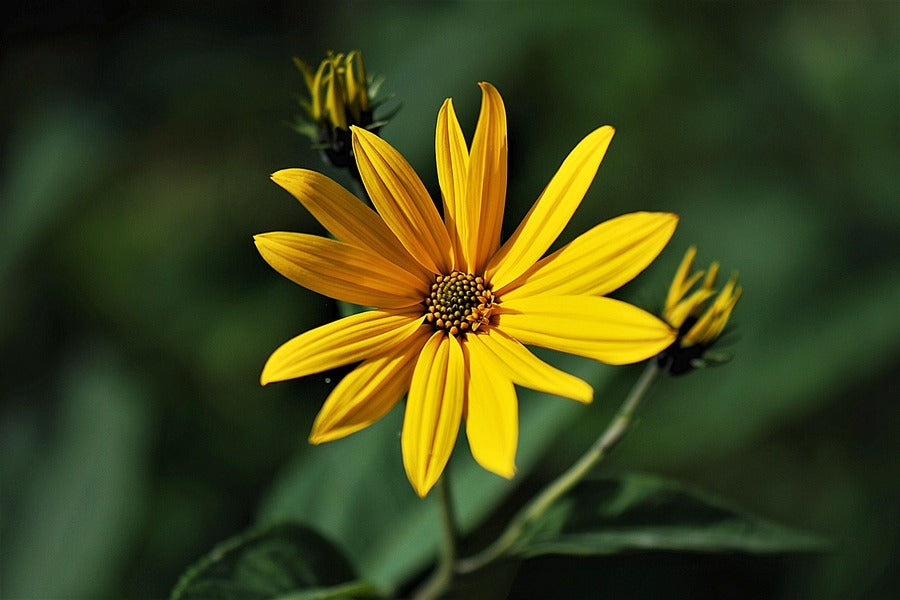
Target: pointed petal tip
{"type": "Point", "coordinates": [355, 135]}
{"type": "Point", "coordinates": [320, 435]}
{"type": "Point", "coordinates": [284, 175]}
{"type": "Point", "coordinates": [606, 131]}
{"type": "Point", "coordinates": [317, 437]}
{"type": "Point", "coordinates": [506, 471]}
{"type": "Point", "coordinates": [488, 88]}
{"type": "Point", "coordinates": [270, 374]}
{"type": "Point", "coordinates": [420, 488]}
{"type": "Point", "coordinates": [263, 241]}
{"type": "Point", "coordinates": [504, 466]}
{"type": "Point", "coordinates": [669, 221]}
{"type": "Point", "coordinates": [266, 377]}
{"type": "Point", "coordinates": [588, 397]}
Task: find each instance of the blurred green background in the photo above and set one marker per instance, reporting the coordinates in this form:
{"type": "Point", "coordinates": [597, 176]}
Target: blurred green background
{"type": "Point", "coordinates": [135, 313]}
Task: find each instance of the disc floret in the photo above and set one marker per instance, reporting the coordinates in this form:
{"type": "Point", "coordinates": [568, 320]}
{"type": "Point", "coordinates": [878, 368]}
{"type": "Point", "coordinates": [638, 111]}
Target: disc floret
{"type": "Point", "coordinates": [459, 303]}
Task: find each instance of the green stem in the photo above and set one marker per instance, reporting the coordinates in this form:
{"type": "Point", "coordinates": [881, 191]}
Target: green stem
{"type": "Point", "coordinates": [565, 482]}
{"type": "Point", "coordinates": [442, 577]}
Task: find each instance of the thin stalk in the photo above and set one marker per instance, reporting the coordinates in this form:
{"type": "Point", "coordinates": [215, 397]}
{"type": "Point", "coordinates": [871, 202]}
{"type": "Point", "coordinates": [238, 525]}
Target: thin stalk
{"type": "Point", "coordinates": [442, 577]}
{"type": "Point", "coordinates": [565, 482]}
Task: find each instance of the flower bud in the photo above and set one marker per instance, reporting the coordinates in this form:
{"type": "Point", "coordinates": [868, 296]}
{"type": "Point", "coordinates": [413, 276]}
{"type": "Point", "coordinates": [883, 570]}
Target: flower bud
{"type": "Point", "coordinates": [699, 319]}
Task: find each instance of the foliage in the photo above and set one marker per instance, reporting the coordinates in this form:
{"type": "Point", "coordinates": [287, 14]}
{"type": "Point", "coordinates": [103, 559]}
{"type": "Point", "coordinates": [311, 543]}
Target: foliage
{"type": "Point", "coordinates": [136, 315]}
{"type": "Point", "coordinates": [279, 561]}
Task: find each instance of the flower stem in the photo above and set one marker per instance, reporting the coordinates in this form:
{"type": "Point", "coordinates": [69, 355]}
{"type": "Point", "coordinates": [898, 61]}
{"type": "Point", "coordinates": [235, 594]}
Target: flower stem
{"type": "Point", "coordinates": [442, 577]}
{"type": "Point", "coordinates": [565, 482]}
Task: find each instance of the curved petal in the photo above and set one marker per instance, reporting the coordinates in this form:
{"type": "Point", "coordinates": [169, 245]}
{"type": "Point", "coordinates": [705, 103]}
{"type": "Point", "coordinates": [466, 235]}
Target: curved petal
{"type": "Point", "coordinates": [712, 322]}
{"type": "Point", "coordinates": [525, 369]}
{"type": "Point", "coordinates": [690, 305]}
{"type": "Point", "coordinates": [680, 283]}
{"type": "Point", "coordinates": [368, 392]}
{"type": "Point", "coordinates": [433, 411]}
{"type": "Point", "coordinates": [600, 260]}
{"type": "Point", "coordinates": [339, 343]}
{"type": "Point", "coordinates": [453, 167]}
{"type": "Point", "coordinates": [492, 417]}
{"type": "Point", "coordinates": [486, 185]}
{"type": "Point", "coordinates": [552, 211]}
{"type": "Point", "coordinates": [345, 216]}
{"type": "Point", "coordinates": [676, 314]}
{"type": "Point", "coordinates": [402, 200]}
{"type": "Point", "coordinates": [339, 270]}
{"type": "Point", "coordinates": [604, 329]}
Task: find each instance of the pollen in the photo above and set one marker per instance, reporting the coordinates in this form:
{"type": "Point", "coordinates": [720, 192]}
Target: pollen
{"type": "Point", "coordinates": [459, 303]}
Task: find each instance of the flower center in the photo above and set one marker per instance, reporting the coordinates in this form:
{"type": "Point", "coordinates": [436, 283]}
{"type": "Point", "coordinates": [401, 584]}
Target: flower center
{"type": "Point", "coordinates": [459, 302]}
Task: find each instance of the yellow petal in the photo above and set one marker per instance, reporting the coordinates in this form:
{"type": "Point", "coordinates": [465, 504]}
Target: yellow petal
{"type": "Point", "coordinates": [600, 260]}
{"type": "Point", "coordinates": [368, 392]}
{"type": "Point", "coordinates": [515, 361]}
{"type": "Point", "coordinates": [318, 90]}
{"type": "Point", "coordinates": [492, 418]}
{"type": "Point", "coordinates": [679, 285]}
{"type": "Point", "coordinates": [345, 216]}
{"type": "Point", "coordinates": [711, 324]}
{"type": "Point", "coordinates": [710, 281]}
{"type": "Point", "coordinates": [334, 100]}
{"type": "Point", "coordinates": [677, 291]}
{"type": "Point", "coordinates": [433, 411]}
{"type": "Point", "coordinates": [402, 200]}
{"type": "Point", "coordinates": [339, 270]}
{"type": "Point", "coordinates": [452, 167]}
{"type": "Point", "coordinates": [604, 329]}
{"type": "Point", "coordinates": [352, 86]}
{"type": "Point", "coordinates": [358, 73]}
{"type": "Point", "coordinates": [552, 211]}
{"type": "Point", "coordinates": [339, 343]}
{"type": "Point", "coordinates": [691, 305]}
{"type": "Point", "coordinates": [486, 186]}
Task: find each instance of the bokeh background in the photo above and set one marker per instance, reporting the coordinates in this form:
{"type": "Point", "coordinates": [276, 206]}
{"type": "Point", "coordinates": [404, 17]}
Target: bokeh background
{"type": "Point", "coordinates": [135, 314]}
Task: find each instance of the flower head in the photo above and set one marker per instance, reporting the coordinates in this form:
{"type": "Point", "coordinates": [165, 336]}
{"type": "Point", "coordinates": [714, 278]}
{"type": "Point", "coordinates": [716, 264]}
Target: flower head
{"type": "Point", "coordinates": [340, 96]}
{"type": "Point", "coordinates": [453, 308]}
{"type": "Point", "coordinates": [699, 322]}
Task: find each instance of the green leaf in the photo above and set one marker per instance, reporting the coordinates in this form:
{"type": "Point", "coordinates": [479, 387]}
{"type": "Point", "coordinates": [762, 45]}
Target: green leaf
{"type": "Point", "coordinates": [279, 561]}
{"type": "Point", "coordinates": [641, 512]}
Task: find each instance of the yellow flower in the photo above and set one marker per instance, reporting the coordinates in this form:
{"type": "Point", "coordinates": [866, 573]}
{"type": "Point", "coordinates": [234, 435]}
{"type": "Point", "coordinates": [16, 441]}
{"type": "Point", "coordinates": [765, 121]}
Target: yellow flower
{"type": "Point", "coordinates": [699, 325]}
{"type": "Point", "coordinates": [453, 308]}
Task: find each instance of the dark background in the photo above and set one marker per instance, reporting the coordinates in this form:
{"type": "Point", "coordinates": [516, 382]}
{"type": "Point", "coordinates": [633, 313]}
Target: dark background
{"type": "Point", "coordinates": [136, 144]}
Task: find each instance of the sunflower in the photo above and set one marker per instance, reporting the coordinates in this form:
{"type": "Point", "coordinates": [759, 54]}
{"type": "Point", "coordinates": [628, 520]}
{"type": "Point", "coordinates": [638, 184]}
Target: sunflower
{"type": "Point", "coordinates": [452, 308]}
